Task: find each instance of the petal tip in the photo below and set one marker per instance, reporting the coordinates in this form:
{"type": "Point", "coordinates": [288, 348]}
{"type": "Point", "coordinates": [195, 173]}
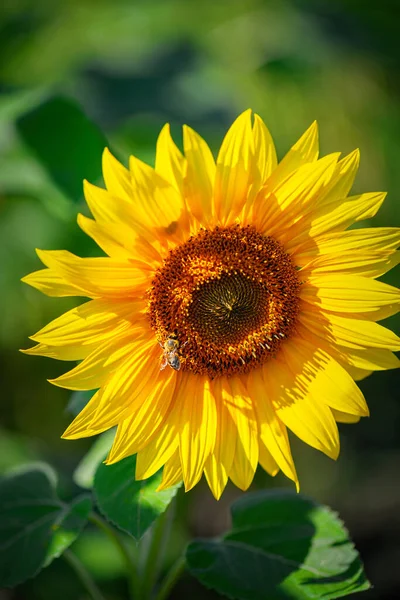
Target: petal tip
{"type": "Point", "coordinates": [29, 351]}
{"type": "Point", "coordinates": [86, 186]}
{"type": "Point", "coordinates": [217, 493]}
{"type": "Point", "coordinates": [165, 128]}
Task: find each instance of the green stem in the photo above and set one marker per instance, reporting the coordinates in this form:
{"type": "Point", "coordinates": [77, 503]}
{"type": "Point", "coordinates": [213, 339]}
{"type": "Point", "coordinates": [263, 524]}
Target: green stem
{"type": "Point", "coordinates": [83, 575]}
{"type": "Point", "coordinates": [154, 554]}
{"type": "Point", "coordinates": [133, 579]}
{"type": "Point", "coordinates": [171, 578]}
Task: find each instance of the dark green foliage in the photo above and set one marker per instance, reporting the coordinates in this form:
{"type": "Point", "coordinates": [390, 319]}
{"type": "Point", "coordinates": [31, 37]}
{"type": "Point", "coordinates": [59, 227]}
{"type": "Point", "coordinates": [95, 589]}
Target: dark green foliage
{"type": "Point", "coordinates": [281, 546]}
{"type": "Point", "coordinates": [35, 526]}
{"type": "Point", "coordinates": [131, 505]}
{"type": "Point", "coordinates": [67, 143]}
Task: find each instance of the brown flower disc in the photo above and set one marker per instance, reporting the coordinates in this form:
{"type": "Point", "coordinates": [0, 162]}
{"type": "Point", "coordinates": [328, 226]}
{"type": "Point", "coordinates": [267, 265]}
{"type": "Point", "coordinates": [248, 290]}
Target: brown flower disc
{"type": "Point", "coordinates": [228, 296]}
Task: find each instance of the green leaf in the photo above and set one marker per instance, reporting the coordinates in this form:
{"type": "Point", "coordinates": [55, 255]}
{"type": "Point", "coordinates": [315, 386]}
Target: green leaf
{"type": "Point", "coordinates": [35, 525]}
{"type": "Point", "coordinates": [129, 504]}
{"type": "Point", "coordinates": [66, 142]}
{"type": "Point", "coordinates": [281, 546]}
{"type": "Point", "coordinates": [85, 471]}
{"type": "Point", "coordinates": [69, 526]}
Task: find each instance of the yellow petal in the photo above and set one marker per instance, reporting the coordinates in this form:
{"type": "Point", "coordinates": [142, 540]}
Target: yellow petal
{"type": "Point", "coordinates": [286, 203]}
{"type": "Point", "coordinates": [264, 149]}
{"type": "Point", "coordinates": [322, 378]}
{"type": "Point", "coordinates": [219, 463]}
{"type": "Point", "coordinates": [158, 452]}
{"type": "Point", "coordinates": [266, 460]}
{"type": "Point", "coordinates": [122, 396]}
{"type": "Point", "coordinates": [352, 359]}
{"type": "Point", "coordinates": [107, 208]}
{"type": "Point", "coordinates": [358, 263]}
{"type": "Point", "coordinates": [371, 239]}
{"type": "Point", "coordinates": [358, 374]}
{"type": "Point", "coordinates": [78, 332]}
{"type": "Point", "coordinates": [95, 370]}
{"type": "Point", "coordinates": [135, 378]}
{"type": "Point", "coordinates": [116, 177]}
{"type": "Point", "coordinates": [200, 175]}
{"type": "Point", "coordinates": [334, 216]}
{"type": "Point", "coordinates": [341, 417]}
{"type": "Point", "coordinates": [197, 425]}
{"type": "Point", "coordinates": [120, 241]}
{"type": "Point", "coordinates": [313, 425]}
{"type": "Point", "coordinates": [118, 221]}
{"type": "Point", "coordinates": [158, 204]}
{"type": "Point", "coordinates": [353, 333]}
{"type": "Point", "coordinates": [343, 178]}
{"type": "Point", "coordinates": [135, 432]}
{"type": "Point", "coordinates": [87, 375]}
{"type": "Point", "coordinates": [170, 163]}
{"type": "Point", "coordinates": [272, 431]}
{"type": "Point", "coordinates": [72, 352]}
{"type": "Point", "coordinates": [89, 322]}
{"type": "Point", "coordinates": [235, 169]}
{"type": "Point", "coordinates": [64, 349]}
{"type": "Point", "coordinates": [349, 294]}
{"type": "Point", "coordinates": [80, 426]}
{"type": "Point", "coordinates": [101, 235]}
{"type": "Point", "coordinates": [265, 163]}
{"type": "Point", "coordinates": [311, 421]}
{"type": "Point", "coordinates": [305, 150]}
{"type": "Point", "coordinates": [52, 284]}
{"type": "Point", "coordinates": [172, 472]}
{"type": "Point", "coordinates": [306, 184]}
{"type": "Point", "coordinates": [216, 476]}
{"type": "Point", "coordinates": [97, 277]}
{"type": "Point", "coordinates": [241, 409]}
{"type": "Point", "coordinates": [371, 359]}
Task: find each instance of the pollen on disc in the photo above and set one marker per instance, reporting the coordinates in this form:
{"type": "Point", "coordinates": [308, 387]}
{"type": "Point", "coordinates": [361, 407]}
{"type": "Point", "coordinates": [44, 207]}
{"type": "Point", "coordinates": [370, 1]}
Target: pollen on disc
{"type": "Point", "coordinates": [228, 296]}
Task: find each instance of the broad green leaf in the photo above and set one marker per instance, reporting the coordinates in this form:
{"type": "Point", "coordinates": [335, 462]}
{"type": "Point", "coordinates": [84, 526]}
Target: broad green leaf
{"type": "Point", "coordinates": [71, 524]}
{"type": "Point", "coordinates": [35, 525]}
{"type": "Point", "coordinates": [85, 471]}
{"type": "Point", "coordinates": [281, 546]}
{"type": "Point", "coordinates": [131, 505]}
{"type": "Point", "coordinates": [66, 142]}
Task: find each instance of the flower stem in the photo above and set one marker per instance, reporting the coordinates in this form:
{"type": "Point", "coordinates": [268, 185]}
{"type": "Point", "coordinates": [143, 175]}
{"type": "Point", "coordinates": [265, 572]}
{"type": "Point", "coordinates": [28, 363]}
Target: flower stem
{"type": "Point", "coordinates": [171, 578]}
{"type": "Point", "coordinates": [131, 567]}
{"type": "Point", "coordinates": [83, 575]}
{"type": "Point", "coordinates": [153, 560]}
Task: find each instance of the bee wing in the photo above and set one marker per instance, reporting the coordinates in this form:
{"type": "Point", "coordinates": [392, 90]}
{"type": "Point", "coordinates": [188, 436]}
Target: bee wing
{"type": "Point", "coordinates": [175, 362]}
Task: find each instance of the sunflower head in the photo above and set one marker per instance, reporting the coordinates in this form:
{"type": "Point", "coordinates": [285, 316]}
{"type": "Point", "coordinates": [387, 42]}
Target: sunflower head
{"type": "Point", "coordinates": [232, 304]}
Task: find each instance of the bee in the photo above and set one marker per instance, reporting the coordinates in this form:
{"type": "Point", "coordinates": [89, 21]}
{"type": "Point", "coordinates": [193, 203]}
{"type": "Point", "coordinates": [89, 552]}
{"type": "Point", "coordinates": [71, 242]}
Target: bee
{"type": "Point", "coordinates": [170, 354]}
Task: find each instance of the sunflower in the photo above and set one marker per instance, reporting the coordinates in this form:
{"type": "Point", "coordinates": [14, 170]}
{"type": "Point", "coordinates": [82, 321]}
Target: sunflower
{"type": "Point", "coordinates": [232, 305]}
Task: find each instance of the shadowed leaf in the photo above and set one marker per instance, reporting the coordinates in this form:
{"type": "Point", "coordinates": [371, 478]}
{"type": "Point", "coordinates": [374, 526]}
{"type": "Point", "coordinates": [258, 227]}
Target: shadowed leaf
{"type": "Point", "coordinates": [281, 546]}
{"type": "Point", "coordinates": [131, 505]}
{"type": "Point", "coordinates": [35, 525]}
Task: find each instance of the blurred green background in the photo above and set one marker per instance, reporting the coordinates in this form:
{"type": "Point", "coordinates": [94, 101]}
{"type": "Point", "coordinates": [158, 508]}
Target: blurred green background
{"type": "Point", "coordinates": [131, 66]}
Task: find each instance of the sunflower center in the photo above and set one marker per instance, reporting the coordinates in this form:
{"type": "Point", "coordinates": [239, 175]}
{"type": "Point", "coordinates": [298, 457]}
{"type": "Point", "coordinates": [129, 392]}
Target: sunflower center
{"type": "Point", "coordinates": [227, 298]}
